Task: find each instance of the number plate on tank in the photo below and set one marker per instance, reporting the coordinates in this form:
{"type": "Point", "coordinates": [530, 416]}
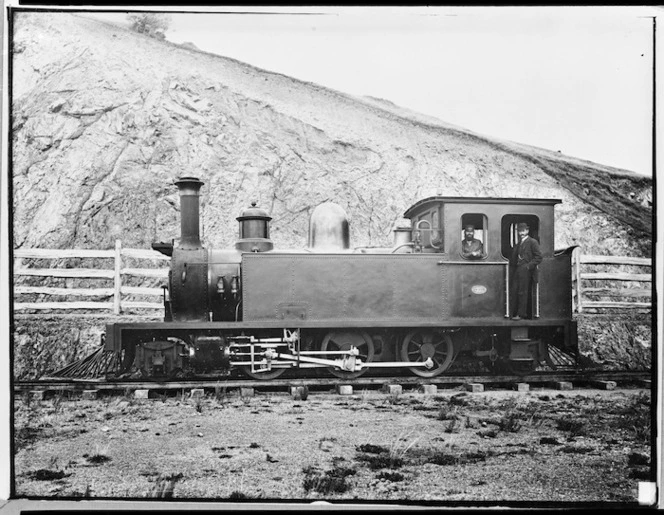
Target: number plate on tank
{"type": "Point", "coordinates": [478, 289]}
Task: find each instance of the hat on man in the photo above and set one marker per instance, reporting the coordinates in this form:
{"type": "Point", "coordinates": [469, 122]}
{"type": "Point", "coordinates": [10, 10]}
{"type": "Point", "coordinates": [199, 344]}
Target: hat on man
{"type": "Point", "coordinates": [469, 227]}
{"type": "Point", "coordinates": [521, 226]}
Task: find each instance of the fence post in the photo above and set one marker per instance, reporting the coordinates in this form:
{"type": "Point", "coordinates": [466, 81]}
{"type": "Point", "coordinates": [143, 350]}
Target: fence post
{"type": "Point", "coordinates": [577, 271]}
{"type": "Point", "coordinates": [117, 281]}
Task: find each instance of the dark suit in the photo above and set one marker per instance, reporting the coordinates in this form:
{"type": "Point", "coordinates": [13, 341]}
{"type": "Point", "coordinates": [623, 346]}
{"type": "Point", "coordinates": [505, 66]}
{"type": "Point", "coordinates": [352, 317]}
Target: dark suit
{"type": "Point", "coordinates": [523, 274]}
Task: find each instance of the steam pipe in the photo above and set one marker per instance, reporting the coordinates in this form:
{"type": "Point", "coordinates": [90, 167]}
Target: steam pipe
{"type": "Point", "coordinates": [190, 237]}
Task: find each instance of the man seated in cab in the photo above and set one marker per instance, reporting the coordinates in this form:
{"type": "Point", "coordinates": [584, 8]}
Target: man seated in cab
{"type": "Point", "coordinates": [525, 258]}
{"type": "Point", "coordinates": [471, 247]}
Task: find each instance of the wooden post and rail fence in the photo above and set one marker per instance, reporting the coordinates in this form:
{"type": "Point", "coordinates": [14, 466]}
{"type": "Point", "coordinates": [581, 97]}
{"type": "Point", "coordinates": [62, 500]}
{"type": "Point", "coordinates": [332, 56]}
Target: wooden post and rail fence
{"type": "Point", "coordinates": [115, 293]}
{"type": "Point", "coordinates": [587, 286]}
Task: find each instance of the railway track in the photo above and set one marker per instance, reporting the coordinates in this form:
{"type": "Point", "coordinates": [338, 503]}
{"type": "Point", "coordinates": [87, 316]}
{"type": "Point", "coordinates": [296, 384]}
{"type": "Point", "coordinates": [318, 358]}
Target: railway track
{"type": "Point", "coordinates": [541, 379]}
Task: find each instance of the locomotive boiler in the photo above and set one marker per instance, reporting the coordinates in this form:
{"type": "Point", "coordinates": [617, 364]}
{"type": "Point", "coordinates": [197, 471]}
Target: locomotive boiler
{"type": "Point", "coordinates": [418, 306]}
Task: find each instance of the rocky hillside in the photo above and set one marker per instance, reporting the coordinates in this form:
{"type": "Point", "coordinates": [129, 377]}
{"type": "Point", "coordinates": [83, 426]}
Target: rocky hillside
{"type": "Point", "coordinates": [105, 119]}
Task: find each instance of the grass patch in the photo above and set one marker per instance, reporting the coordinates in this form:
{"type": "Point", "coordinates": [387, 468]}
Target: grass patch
{"type": "Point", "coordinates": [98, 459]}
{"type": "Point", "coordinates": [576, 449]}
{"type": "Point", "coordinates": [24, 436]}
{"type": "Point", "coordinates": [575, 427]}
{"type": "Point", "coordinates": [378, 457]}
{"type": "Point", "coordinates": [395, 477]}
{"type": "Point", "coordinates": [448, 413]}
{"type": "Point", "coordinates": [380, 461]}
{"type": "Point", "coordinates": [637, 418]}
{"type": "Point", "coordinates": [47, 475]}
{"type": "Point", "coordinates": [510, 422]}
{"type": "Point", "coordinates": [324, 439]}
{"type": "Point", "coordinates": [164, 487]}
{"type": "Point", "coordinates": [330, 481]}
{"type": "Point", "coordinates": [422, 407]}
{"type": "Point", "coordinates": [393, 398]}
{"type": "Point", "coordinates": [453, 426]}
{"type": "Point", "coordinates": [371, 449]}
{"type": "Point", "coordinates": [442, 458]}
{"type": "Point", "coordinates": [459, 399]}
{"type": "Point", "coordinates": [56, 402]}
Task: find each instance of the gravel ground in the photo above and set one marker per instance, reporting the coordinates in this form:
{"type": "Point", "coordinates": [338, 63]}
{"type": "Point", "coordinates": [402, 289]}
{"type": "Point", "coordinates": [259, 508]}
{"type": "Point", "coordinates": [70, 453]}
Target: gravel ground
{"type": "Point", "coordinates": [496, 447]}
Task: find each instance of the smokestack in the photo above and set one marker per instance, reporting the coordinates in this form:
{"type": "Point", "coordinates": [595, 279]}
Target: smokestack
{"type": "Point", "coordinates": [190, 237]}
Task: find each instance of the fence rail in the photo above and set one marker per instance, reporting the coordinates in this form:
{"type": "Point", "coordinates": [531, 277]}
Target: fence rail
{"type": "Point", "coordinates": [588, 286]}
{"type": "Point", "coordinates": [117, 303]}
{"type": "Point", "coordinates": [591, 291]}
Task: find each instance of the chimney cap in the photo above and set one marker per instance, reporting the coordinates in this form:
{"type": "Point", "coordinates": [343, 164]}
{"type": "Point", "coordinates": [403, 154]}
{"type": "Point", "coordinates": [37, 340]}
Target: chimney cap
{"type": "Point", "coordinates": [188, 180]}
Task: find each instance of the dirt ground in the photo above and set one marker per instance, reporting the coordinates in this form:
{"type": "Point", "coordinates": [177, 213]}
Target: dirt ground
{"type": "Point", "coordinates": [498, 447]}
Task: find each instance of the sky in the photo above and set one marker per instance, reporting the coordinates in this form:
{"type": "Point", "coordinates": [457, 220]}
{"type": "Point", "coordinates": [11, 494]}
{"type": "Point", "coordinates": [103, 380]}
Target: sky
{"type": "Point", "coordinates": [578, 80]}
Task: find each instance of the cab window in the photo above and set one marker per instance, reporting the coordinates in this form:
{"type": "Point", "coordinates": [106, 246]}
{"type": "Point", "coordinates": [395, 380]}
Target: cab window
{"type": "Point", "coordinates": [508, 231]}
{"type": "Point", "coordinates": [474, 236]}
{"type": "Point", "coordinates": [428, 229]}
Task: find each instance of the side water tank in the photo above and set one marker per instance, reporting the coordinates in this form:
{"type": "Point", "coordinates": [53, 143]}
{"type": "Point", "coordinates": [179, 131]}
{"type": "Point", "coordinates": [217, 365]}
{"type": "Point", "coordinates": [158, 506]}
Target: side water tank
{"type": "Point", "coordinates": [328, 229]}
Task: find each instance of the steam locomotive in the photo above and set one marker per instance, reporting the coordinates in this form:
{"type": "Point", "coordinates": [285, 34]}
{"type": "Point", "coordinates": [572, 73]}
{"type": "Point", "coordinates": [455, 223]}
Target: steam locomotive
{"type": "Point", "coordinates": [418, 307]}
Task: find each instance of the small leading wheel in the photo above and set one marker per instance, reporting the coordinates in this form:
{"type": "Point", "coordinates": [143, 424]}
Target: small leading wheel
{"type": "Point", "coordinates": [422, 344]}
{"type": "Point", "coordinates": [268, 375]}
{"type": "Point", "coordinates": [343, 341]}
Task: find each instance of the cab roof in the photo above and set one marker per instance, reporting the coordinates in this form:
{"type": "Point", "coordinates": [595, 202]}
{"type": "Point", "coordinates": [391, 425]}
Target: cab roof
{"type": "Point", "coordinates": [480, 200]}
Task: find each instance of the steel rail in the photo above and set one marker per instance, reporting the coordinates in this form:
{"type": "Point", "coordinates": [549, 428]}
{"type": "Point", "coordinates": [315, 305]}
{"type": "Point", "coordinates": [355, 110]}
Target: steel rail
{"type": "Point", "coordinates": [540, 378]}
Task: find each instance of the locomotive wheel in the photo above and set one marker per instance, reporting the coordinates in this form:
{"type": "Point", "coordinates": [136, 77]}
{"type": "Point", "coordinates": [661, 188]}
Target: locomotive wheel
{"type": "Point", "coordinates": [343, 341]}
{"type": "Point", "coordinates": [421, 344]}
{"type": "Point", "coordinates": [267, 376]}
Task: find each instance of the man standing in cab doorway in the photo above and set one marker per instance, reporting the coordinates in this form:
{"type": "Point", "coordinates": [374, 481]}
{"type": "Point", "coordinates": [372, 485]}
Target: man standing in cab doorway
{"type": "Point", "coordinates": [526, 255]}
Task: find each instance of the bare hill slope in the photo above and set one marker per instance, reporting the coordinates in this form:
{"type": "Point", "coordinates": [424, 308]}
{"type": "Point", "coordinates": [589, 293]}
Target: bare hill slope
{"type": "Point", "coordinates": [105, 119]}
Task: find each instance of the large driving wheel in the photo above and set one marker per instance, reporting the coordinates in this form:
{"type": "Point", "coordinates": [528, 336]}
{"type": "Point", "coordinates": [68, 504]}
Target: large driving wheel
{"type": "Point", "coordinates": [343, 341]}
{"type": "Point", "coordinates": [421, 344]}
